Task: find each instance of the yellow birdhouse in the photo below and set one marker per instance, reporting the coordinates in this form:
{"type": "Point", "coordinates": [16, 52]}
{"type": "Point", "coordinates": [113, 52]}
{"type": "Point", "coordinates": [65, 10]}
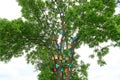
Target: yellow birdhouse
{"type": "Point", "coordinates": [60, 57]}
{"type": "Point", "coordinates": [69, 46]}
{"type": "Point", "coordinates": [56, 57]}
{"type": "Point", "coordinates": [53, 57]}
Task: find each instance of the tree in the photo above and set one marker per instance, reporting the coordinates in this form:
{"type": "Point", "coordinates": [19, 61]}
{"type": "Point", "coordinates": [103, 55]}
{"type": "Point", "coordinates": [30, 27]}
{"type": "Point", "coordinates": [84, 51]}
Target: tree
{"type": "Point", "coordinates": [55, 28]}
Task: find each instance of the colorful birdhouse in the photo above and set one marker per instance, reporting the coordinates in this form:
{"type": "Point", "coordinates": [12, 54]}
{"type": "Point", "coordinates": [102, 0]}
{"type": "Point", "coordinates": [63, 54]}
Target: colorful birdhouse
{"type": "Point", "coordinates": [75, 38]}
{"type": "Point", "coordinates": [70, 65]}
{"type": "Point", "coordinates": [69, 46]}
{"type": "Point", "coordinates": [62, 70]}
{"type": "Point", "coordinates": [66, 70]}
{"type": "Point", "coordinates": [53, 39]}
{"type": "Point", "coordinates": [60, 75]}
{"type": "Point", "coordinates": [69, 52]}
{"type": "Point", "coordinates": [60, 23]}
{"type": "Point", "coordinates": [60, 57]}
{"type": "Point", "coordinates": [59, 47]}
{"type": "Point", "coordinates": [54, 70]}
{"type": "Point", "coordinates": [64, 26]}
{"type": "Point", "coordinates": [55, 57]}
{"type": "Point", "coordinates": [57, 66]}
{"type": "Point", "coordinates": [62, 33]}
{"type": "Point", "coordinates": [62, 39]}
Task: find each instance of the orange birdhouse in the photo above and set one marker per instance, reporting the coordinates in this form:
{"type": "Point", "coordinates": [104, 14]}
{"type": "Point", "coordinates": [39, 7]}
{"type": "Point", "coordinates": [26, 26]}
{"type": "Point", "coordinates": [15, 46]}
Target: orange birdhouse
{"type": "Point", "coordinates": [69, 46]}
{"type": "Point", "coordinates": [66, 70]}
{"type": "Point", "coordinates": [54, 70]}
{"type": "Point", "coordinates": [56, 57]}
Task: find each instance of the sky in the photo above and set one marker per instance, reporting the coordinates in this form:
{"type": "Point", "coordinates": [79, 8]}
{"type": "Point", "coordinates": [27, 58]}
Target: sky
{"type": "Point", "coordinates": [18, 69]}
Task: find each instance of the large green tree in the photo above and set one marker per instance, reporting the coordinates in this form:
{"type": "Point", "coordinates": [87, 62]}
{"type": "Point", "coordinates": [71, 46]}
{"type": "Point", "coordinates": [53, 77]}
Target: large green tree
{"type": "Point", "coordinates": [55, 28]}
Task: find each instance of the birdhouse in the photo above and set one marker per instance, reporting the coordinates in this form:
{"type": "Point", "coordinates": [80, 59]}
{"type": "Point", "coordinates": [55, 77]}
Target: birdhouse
{"type": "Point", "coordinates": [66, 70]}
{"type": "Point", "coordinates": [70, 65]}
{"type": "Point", "coordinates": [62, 70]}
{"type": "Point", "coordinates": [54, 70]}
{"type": "Point", "coordinates": [75, 38]}
{"type": "Point", "coordinates": [60, 57]}
{"type": "Point", "coordinates": [60, 23]}
{"type": "Point", "coordinates": [69, 46]}
{"type": "Point", "coordinates": [60, 75]}
{"type": "Point", "coordinates": [53, 39]}
{"type": "Point", "coordinates": [62, 39]}
{"type": "Point", "coordinates": [65, 26]}
{"type": "Point", "coordinates": [59, 47]}
{"type": "Point", "coordinates": [63, 61]}
{"type": "Point", "coordinates": [70, 52]}
{"type": "Point", "coordinates": [55, 57]}
{"type": "Point", "coordinates": [62, 32]}
{"type": "Point", "coordinates": [57, 66]}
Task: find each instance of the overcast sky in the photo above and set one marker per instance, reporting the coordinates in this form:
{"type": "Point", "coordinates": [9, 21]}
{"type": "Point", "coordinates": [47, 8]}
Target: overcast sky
{"type": "Point", "coordinates": [17, 69]}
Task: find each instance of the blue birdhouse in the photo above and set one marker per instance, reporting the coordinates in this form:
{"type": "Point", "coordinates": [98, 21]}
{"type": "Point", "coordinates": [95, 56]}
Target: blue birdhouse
{"type": "Point", "coordinates": [59, 47]}
{"type": "Point", "coordinates": [57, 66]}
{"type": "Point", "coordinates": [75, 38]}
{"type": "Point", "coordinates": [62, 33]}
{"type": "Point", "coordinates": [61, 70]}
{"type": "Point", "coordinates": [70, 52]}
{"type": "Point", "coordinates": [70, 65]}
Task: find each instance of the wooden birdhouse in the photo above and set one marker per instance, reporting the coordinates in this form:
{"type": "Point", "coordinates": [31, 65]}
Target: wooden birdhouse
{"type": "Point", "coordinates": [53, 39]}
{"type": "Point", "coordinates": [66, 70]}
{"type": "Point", "coordinates": [65, 26]}
{"type": "Point", "coordinates": [60, 57]}
{"type": "Point", "coordinates": [69, 46]}
{"type": "Point", "coordinates": [55, 57]}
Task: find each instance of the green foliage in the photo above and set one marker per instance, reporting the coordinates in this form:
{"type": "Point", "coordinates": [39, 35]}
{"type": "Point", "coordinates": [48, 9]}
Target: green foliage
{"type": "Point", "coordinates": [95, 21]}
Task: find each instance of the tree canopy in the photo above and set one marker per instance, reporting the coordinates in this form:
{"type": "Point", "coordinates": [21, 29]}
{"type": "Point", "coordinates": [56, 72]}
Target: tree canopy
{"type": "Point", "coordinates": [50, 26]}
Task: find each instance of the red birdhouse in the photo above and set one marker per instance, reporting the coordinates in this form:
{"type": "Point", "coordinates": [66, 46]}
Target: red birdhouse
{"type": "Point", "coordinates": [54, 70]}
